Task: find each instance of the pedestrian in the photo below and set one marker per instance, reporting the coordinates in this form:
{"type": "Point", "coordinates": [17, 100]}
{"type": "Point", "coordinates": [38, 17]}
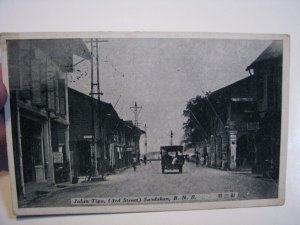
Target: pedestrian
{"type": "Point", "coordinates": [145, 159]}
{"type": "Point", "coordinates": [202, 160]}
{"type": "Point", "coordinates": [134, 162]}
{"type": "Point", "coordinates": [206, 160]}
{"type": "Point", "coordinates": [197, 160]}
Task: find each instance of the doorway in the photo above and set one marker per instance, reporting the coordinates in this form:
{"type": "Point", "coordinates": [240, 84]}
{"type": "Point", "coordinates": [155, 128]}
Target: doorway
{"type": "Point", "coordinates": [32, 150]}
{"type": "Point", "coordinates": [84, 158]}
{"type": "Point", "coordinates": [244, 153]}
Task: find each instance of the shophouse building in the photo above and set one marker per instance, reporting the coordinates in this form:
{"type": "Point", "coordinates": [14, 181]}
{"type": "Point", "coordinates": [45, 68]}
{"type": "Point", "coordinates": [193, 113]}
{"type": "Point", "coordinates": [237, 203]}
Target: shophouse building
{"type": "Point", "coordinates": [267, 72]}
{"type": "Point", "coordinates": [99, 146]}
{"type": "Point", "coordinates": [233, 124]}
{"type": "Point", "coordinates": [38, 97]}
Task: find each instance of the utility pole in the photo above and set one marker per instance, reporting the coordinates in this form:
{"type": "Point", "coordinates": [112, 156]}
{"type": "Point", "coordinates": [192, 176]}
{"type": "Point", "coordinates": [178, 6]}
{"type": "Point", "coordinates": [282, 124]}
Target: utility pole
{"type": "Point", "coordinates": [96, 109]}
{"type": "Point", "coordinates": [93, 169]}
{"type": "Point", "coordinates": [146, 139]}
{"type": "Point", "coordinates": [136, 110]}
{"type": "Point", "coordinates": [171, 135]}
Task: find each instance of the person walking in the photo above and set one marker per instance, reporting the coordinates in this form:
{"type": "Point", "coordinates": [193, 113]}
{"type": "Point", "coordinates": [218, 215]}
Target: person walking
{"type": "Point", "coordinates": [202, 160]}
{"type": "Point", "coordinates": [134, 162]}
{"type": "Point", "coordinates": [197, 160]}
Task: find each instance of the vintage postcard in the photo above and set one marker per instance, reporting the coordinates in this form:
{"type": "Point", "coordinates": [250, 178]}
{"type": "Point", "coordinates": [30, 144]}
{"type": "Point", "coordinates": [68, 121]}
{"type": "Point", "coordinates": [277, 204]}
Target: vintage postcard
{"type": "Point", "coordinates": [112, 122]}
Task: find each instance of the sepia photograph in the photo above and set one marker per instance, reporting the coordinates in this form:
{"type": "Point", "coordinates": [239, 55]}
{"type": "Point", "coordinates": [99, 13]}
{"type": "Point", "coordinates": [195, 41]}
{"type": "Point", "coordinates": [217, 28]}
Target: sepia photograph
{"type": "Point", "coordinates": [125, 122]}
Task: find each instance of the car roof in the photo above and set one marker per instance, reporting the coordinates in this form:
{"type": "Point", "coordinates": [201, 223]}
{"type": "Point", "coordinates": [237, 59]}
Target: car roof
{"type": "Point", "coordinates": [172, 148]}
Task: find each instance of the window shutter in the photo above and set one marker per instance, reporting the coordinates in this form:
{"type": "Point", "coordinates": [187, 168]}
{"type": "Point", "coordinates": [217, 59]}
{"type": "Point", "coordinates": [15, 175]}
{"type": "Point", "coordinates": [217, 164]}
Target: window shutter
{"type": "Point", "coordinates": [51, 94]}
{"type": "Point", "coordinates": [25, 69]}
{"type": "Point", "coordinates": [56, 92]}
{"type": "Point", "coordinates": [62, 99]}
{"type": "Point", "coordinates": [43, 72]}
{"type": "Point", "coordinates": [13, 65]}
{"type": "Point", "coordinates": [36, 82]}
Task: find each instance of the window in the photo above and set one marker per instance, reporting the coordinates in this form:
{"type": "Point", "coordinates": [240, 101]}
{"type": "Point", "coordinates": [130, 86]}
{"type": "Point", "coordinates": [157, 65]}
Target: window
{"type": "Point", "coordinates": [59, 90]}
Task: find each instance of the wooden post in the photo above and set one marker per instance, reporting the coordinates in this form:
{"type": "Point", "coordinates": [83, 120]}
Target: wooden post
{"type": "Point", "coordinates": [67, 130]}
{"type": "Point", "coordinates": [48, 152]}
{"type": "Point", "coordinates": [232, 146]}
{"type": "Point", "coordinates": [20, 152]}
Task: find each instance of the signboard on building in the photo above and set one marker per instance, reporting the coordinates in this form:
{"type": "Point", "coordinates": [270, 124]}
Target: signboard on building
{"type": "Point", "coordinates": [252, 126]}
{"type": "Point", "coordinates": [58, 157]}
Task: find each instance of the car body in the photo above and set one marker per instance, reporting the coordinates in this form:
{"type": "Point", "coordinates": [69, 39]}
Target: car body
{"type": "Point", "coordinates": [171, 158]}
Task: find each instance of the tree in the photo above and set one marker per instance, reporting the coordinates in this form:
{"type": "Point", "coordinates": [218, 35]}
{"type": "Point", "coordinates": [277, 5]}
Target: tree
{"type": "Point", "coordinates": [204, 114]}
{"type": "Point", "coordinates": [197, 128]}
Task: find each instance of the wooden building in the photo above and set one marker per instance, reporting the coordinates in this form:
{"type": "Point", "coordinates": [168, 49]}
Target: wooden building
{"type": "Point", "coordinates": [102, 144]}
{"type": "Point", "coordinates": [233, 124]}
{"type": "Point", "coordinates": [267, 73]}
{"type": "Point", "coordinates": [38, 93]}
{"type": "Point", "coordinates": [246, 118]}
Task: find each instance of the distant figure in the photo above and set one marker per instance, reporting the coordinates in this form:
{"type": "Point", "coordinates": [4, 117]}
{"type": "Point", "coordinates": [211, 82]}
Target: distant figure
{"type": "Point", "coordinates": [145, 159]}
{"type": "Point", "coordinates": [197, 160]}
{"type": "Point", "coordinates": [206, 160]}
{"type": "Point", "coordinates": [187, 157]}
{"type": "Point", "coordinates": [134, 162]}
{"type": "Point", "coordinates": [202, 160]}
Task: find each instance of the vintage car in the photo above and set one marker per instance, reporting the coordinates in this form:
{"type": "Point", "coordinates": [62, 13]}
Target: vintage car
{"type": "Point", "coordinates": [171, 158]}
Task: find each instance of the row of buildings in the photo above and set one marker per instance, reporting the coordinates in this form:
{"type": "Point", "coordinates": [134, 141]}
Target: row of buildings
{"type": "Point", "coordinates": [60, 134]}
{"type": "Point", "coordinates": [245, 127]}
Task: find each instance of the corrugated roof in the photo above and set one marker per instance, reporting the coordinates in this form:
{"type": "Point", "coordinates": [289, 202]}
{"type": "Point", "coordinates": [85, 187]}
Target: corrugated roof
{"type": "Point", "coordinates": [273, 51]}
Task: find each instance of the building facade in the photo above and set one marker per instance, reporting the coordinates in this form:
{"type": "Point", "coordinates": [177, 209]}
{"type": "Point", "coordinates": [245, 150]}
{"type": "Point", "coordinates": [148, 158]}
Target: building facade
{"type": "Point", "coordinates": [233, 124]}
{"type": "Point", "coordinates": [245, 119]}
{"type": "Point", "coordinates": [100, 145]}
{"type": "Point", "coordinates": [38, 94]}
{"type": "Point", "coordinates": [267, 72]}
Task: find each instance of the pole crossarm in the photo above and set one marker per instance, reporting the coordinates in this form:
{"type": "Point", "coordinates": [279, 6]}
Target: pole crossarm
{"type": "Point", "coordinates": [136, 110]}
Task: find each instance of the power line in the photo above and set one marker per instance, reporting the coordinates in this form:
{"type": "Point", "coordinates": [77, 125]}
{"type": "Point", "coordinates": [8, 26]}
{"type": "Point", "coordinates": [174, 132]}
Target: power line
{"type": "Point", "coordinates": [213, 108]}
{"type": "Point", "coordinates": [199, 124]}
{"type": "Point", "coordinates": [117, 102]}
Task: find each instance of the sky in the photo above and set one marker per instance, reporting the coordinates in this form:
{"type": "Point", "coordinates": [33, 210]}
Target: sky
{"type": "Point", "coordinates": [161, 75]}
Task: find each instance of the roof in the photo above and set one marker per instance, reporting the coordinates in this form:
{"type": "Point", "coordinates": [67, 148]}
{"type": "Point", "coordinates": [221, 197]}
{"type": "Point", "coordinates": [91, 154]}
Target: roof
{"type": "Point", "coordinates": [272, 52]}
{"type": "Point", "coordinates": [237, 90]}
{"type": "Point", "coordinates": [106, 108]}
{"type": "Point", "coordinates": [172, 148]}
{"type": "Point", "coordinates": [61, 51]}
{"type": "Point", "coordinates": [130, 125]}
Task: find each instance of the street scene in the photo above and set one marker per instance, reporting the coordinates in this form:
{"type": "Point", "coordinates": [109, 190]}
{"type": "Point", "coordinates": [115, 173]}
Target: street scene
{"type": "Point", "coordinates": [148, 180]}
{"type": "Point", "coordinates": [144, 120]}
